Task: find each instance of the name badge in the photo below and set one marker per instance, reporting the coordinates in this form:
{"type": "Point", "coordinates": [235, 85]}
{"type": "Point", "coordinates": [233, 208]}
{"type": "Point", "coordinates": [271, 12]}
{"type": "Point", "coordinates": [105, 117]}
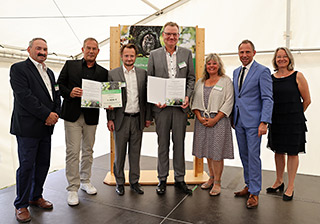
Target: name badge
{"type": "Point", "coordinates": [56, 87]}
{"type": "Point", "coordinates": [218, 87]}
{"type": "Point", "coordinates": [182, 65]}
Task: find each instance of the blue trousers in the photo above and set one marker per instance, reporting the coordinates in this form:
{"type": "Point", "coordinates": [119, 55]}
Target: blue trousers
{"type": "Point", "coordinates": [34, 161]}
{"type": "Point", "coordinates": [249, 149]}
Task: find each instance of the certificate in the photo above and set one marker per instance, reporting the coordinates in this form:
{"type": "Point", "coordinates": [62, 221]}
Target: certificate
{"type": "Point", "coordinates": [101, 94]}
{"type": "Point", "coordinates": [166, 91]}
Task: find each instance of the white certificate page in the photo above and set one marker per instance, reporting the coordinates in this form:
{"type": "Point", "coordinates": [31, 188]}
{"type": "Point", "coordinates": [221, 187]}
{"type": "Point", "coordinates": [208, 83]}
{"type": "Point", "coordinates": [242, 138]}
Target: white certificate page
{"type": "Point", "coordinates": [111, 94]}
{"type": "Point", "coordinates": [91, 94]}
{"type": "Point", "coordinates": [175, 91]}
{"type": "Point", "coordinates": [156, 90]}
{"type": "Point", "coordinates": [166, 91]}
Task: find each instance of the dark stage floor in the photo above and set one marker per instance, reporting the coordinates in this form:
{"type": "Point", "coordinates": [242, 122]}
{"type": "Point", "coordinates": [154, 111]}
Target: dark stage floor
{"type": "Point", "coordinates": [173, 207]}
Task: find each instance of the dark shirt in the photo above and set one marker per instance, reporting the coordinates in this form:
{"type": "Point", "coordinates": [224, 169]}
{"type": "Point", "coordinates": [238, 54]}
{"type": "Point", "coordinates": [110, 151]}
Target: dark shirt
{"type": "Point", "coordinates": [88, 72]}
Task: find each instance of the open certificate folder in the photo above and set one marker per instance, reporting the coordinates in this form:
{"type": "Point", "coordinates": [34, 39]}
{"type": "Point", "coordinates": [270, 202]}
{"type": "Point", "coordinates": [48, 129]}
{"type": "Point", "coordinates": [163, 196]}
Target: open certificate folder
{"type": "Point", "coordinates": [166, 91]}
{"type": "Point", "coordinates": [101, 94]}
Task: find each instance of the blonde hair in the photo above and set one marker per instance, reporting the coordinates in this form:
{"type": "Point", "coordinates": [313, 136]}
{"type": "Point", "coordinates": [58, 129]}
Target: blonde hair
{"type": "Point", "coordinates": [216, 58]}
{"type": "Point", "coordinates": [290, 56]}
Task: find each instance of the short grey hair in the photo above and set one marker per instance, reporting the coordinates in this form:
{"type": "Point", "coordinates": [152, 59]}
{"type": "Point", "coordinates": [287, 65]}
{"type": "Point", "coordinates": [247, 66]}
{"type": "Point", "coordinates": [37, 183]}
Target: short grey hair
{"type": "Point", "coordinates": [34, 39]}
{"type": "Point", "coordinates": [90, 38]}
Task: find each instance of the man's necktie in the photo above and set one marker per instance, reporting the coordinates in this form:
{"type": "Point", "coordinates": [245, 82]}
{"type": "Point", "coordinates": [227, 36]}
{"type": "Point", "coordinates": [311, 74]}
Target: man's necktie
{"type": "Point", "coordinates": [241, 77]}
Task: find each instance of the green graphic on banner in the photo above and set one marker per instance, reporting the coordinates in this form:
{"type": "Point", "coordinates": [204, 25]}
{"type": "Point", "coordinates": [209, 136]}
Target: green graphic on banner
{"type": "Point", "coordinates": [148, 38]}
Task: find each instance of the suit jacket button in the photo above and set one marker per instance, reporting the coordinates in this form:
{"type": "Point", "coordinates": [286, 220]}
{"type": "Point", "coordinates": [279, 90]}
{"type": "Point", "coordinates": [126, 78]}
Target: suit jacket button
{"type": "Point", "coordinates": [239, 96]}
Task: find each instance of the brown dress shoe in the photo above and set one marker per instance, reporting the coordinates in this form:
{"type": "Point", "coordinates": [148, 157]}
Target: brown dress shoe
{"type": "Point", "coordinates": [253, 201]}
{"type": "Point", "coordinates": [23, 215]}
{"type": "Point", "coordinates": [242, 193]}
{"type": "Point", "coordinates": [41, 203]}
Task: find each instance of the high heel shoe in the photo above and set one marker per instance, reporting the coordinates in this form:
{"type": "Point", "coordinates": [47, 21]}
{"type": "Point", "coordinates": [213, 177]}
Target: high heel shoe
{"type": "Point", "coordinates": [287, 198]}
{"type": "Point", "coordinates": [274, 190]}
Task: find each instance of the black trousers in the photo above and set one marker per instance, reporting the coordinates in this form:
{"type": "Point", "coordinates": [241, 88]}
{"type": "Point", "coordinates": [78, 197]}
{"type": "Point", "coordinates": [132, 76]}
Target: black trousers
{"type": "Point", "coordinates": [34, 162]}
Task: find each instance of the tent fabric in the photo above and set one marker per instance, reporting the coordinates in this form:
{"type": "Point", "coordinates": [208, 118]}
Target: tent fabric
{"type": "Point", "coordinates": [65, 24]}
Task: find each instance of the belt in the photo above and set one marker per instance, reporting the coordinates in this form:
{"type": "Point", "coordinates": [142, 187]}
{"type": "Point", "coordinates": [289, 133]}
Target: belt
{"type": "Point", "coordinates": [131, 115]}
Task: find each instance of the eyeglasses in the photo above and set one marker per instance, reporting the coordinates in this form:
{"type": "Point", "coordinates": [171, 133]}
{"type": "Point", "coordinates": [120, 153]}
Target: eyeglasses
{"type": "Point", "coordinates": [171, 34]}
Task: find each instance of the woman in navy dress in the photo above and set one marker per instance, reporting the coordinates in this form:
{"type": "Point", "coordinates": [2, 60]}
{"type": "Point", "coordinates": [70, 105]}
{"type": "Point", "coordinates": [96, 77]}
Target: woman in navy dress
{"type": "Point", "coordinates": [287, 133]}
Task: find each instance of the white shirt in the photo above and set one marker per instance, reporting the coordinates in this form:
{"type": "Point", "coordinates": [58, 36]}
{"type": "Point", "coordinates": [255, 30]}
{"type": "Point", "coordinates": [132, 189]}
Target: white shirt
{"type": "Point", "coordinates": [172, 63]}
{"type": "Point", "coordinates": [245, 72]}
{"type": "Point", "coordinates": [42, 69]}
{"type": "Point", "coordinates": [132, 106]}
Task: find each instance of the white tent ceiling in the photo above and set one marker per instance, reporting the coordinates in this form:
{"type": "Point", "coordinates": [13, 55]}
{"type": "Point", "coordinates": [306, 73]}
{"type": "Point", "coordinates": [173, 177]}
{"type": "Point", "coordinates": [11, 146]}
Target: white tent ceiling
{"type": "Point", "coordinates": [66, 23]}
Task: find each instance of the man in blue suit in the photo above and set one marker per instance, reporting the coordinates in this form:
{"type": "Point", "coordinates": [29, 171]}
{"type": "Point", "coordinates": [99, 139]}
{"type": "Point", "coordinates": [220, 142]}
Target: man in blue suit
{"type": "Point", "coordinates": [36, 110]}
{"type": "Point", "coordinates": [252, 112]}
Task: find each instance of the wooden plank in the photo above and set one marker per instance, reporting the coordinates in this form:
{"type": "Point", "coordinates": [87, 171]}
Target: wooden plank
{"type": "Point", "coordinates": [149, 177]}
{"type": "Point", "coordinates": [114, 47]}
{"type": "Point", "coordinates": [200, 52]}
{"type": "Point", "coordinates": [114, 63]}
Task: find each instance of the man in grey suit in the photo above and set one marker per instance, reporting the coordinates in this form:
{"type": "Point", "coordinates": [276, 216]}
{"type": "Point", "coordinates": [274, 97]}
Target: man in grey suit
{"type": "Point", "coordinates": [172, 61]}
{"type": "Point", "coordinates": [128, 121]}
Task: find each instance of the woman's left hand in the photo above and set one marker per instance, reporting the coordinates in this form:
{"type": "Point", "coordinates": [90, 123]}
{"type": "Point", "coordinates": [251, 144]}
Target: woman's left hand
{"type": "Point", "coordinates": [210, 122]}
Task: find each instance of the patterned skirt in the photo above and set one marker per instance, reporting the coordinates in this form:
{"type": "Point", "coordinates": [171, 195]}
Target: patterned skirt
{"type": "Point", "coordinates": [213, 142]}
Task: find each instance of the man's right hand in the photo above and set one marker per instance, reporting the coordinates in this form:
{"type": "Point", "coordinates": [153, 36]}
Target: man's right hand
{"type": "Point", "coordinates": [76, 92]}
{"type": "Point", "coordinates": [52, 119]}
{"type": "Point", "coordinates": [111, 126]}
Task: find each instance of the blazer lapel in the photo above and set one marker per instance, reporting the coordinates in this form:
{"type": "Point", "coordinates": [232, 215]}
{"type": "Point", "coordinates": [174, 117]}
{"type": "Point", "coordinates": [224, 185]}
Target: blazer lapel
{"type": "Point", "coordinates": [52, 80]}
{"type": "Point", "coordinates": [139, 83]}
{"type": "Point", "coordinates": [124, 90]}
{"type": "Point", "coordinates": [249, 75]}
{"type": "Point", "coordinates": [178, 61]}
{"type": "Point", "coordinates": [38, 77]}
{"type": "Point", "coordinates": [164, 61]}
{"type": "Point", "coordinates": [121, 74]}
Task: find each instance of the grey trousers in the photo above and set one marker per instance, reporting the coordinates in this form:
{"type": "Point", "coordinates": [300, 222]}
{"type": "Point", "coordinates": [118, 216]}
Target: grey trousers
{"type": "Point", "coordinates": [128, 136]}
{"type": "Point", "coordinates": [80, 138]}
{"type": "Point", "coordinates": [174, 119]}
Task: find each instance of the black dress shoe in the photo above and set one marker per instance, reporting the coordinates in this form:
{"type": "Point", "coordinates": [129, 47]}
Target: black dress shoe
{"type": "Point", "coordinates": [287, 198]}
{"type": "Point", "coordinates": [274, 190]}
{"type": "Point", "coordinates": [136, 188]}
{"type": "Point", "coordinates": [162, 186]}
{"type": "Point", "coordinates": [183, 187]}
{"type": "Point", "coordinates": [120, 189]}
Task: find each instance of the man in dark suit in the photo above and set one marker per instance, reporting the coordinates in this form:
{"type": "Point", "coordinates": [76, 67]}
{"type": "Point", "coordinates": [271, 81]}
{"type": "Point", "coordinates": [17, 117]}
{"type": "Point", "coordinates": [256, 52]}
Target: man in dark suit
{"type": "Point", "coordinates": [172, 61]}
{"type": "Point", "coordinates": [252, 112]}
{"type": "Point", "coordinates": [36, 110]}
{"type": "Point", "coordinates": [128, 121]}
{"type": "Point", "coordinates": [80, 123]}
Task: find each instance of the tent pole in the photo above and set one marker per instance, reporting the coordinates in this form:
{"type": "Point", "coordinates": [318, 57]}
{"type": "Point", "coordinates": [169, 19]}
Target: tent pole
{"type": "Point", "coordinates": [288, 22]}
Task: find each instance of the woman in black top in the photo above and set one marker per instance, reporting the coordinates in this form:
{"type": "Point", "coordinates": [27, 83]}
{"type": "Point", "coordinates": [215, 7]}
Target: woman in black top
{"type": "Point", "coordinates": [287, 131]}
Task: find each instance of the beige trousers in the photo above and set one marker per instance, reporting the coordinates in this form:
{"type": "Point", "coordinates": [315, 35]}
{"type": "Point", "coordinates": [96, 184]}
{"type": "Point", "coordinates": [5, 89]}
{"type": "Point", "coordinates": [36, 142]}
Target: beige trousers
{"type": "Point", "coordinates": [80, 138]}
